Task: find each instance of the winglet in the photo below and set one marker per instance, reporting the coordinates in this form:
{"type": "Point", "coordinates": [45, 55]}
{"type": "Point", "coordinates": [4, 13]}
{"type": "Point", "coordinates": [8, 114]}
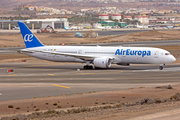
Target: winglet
{"type": "Point", "coordinates": [29, 38]}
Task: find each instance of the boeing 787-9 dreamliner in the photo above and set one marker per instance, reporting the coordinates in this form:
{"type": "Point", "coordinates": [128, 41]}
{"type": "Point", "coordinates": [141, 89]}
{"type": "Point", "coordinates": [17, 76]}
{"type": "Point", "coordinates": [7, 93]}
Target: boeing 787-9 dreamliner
{"type": "Point", "coordinates": [99, 57]}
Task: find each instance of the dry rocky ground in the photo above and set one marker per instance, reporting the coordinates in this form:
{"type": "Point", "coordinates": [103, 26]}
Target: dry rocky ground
{"type": "Point", "coordinates": [111, 105]}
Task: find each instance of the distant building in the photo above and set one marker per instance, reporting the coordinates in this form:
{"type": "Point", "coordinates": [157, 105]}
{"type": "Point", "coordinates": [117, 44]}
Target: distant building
{"type": "Point", "coordinates": [103, 16]}
{"type": "Point", "coordinates": [116, 16]}
{"type": "Point", "coordinates": [128, 17]}
{"type": "Point", "coordinates": [128, 0]}
{"type": "Point", "coordinates": [142, 19]}
{"type": "Point", "coordinates": [56, 23]}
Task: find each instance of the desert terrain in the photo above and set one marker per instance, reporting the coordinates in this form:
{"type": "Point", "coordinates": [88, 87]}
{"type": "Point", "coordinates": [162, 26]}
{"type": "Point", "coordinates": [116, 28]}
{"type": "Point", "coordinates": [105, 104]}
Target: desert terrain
{"type": "Point", "coordinates": [133, 103]}
{"type": "Point", "coordinates": [15, 40]}
{"type": "Point", "coordinates": [76, 6]}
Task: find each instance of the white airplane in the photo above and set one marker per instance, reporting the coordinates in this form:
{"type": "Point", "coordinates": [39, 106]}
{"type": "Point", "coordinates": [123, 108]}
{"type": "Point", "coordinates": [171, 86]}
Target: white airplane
{"type": "Point", "coordinates": [100, 57]}
{"type": "Point", "coordinates": [68, 28]}
{"type": "Point", "coordinates": [98, 26]}
{"type": "Point", "coordinates": [16, 28]}
{"type": "Point", "coordinates": [142, 26]}
{"type": "Point", "coordinates": [73, 28]}
{"type": "Point", "coordinates": [170, 27]}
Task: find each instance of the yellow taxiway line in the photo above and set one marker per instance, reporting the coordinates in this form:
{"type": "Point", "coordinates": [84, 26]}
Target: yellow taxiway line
{"type": "Point", "coordinates": [13, 75]}
{"type": "Point", "coordinates": [61, 86]}
{"type": "Point", "coordinates": [51, 74]}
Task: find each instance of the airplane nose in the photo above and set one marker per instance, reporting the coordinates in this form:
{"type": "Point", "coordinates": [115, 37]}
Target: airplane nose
{"type": "Point", "coordinates": [173, 59]}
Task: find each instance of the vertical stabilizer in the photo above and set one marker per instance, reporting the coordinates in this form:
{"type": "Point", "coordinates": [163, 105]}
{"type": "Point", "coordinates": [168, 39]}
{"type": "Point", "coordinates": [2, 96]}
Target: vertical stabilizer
{"type": "Point", "coordinates": [29, 38]}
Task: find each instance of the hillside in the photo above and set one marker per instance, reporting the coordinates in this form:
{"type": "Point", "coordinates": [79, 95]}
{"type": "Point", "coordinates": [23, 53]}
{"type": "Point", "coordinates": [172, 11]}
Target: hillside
{"type": "Point", "coordinates": [9, 5]}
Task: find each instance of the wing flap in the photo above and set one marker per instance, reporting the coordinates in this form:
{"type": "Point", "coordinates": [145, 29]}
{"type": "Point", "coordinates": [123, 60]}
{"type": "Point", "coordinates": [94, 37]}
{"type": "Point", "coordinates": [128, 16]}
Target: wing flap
{"type": "Point", "coordinates": [79, 56]}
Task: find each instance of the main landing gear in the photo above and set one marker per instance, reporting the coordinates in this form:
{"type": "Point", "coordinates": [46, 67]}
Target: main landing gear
{"type": "Point", "coordinates": [161, 66]}
{"type": "Point", "coordinates": [88, 66]}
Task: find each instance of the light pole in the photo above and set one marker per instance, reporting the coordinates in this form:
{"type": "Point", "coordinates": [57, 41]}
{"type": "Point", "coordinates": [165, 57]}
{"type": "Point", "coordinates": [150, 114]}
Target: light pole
{"type": "Point", "coordinates": [171, 14]}
{"type": "Point", "coordinates": [61, 18]}
{"type": "Point", "coordinates": [2, 17]}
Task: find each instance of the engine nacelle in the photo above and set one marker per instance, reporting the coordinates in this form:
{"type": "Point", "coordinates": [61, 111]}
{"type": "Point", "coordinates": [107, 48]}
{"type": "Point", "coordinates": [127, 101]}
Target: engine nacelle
{"type": "Point", "coordinates": [102, 62]}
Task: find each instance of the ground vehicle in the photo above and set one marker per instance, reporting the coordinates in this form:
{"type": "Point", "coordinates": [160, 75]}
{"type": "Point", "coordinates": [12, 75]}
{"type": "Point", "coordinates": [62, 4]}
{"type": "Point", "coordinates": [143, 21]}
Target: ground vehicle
{"type": "Point", "coordinates": [16, 28]}
{"type": "Point", "coordinates": [47, 31]}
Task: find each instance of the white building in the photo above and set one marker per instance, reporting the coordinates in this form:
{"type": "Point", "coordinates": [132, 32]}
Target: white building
{"type": "Point", "coordinates": [103, 16]}
{"type": "Point", "coordinates": [142, 19]}
{"type": "Point", "coordinates": [116, 16]}
{"type": "Point", "coordinates": [128, 17]}
{"type": "Point", "coordinates": [56, 23]}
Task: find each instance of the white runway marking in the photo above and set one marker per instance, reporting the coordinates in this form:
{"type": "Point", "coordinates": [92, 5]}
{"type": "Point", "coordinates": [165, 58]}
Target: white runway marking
{"type": "Point", "coordinates": [165, 69]}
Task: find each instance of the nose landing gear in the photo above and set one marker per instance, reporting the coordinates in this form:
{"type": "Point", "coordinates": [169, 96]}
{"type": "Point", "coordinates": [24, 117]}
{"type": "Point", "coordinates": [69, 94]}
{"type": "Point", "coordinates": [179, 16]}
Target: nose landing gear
{"type": "Point", "coordinates": [161, 66]}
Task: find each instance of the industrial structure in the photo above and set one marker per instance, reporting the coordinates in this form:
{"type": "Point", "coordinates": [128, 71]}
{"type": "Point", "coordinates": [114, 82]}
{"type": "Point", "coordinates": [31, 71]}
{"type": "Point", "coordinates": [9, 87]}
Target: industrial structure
{"type": "Point", "coordinates": [56, 23]}
{"type": "Point", "coordinates": [112, 23]}
{"type": "Point", "coordinates": [36, 23]}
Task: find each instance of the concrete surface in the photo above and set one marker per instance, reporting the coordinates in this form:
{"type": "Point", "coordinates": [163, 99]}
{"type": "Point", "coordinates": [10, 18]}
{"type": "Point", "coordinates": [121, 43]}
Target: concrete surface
{"type": "Point", "coordinates": [41, 80]}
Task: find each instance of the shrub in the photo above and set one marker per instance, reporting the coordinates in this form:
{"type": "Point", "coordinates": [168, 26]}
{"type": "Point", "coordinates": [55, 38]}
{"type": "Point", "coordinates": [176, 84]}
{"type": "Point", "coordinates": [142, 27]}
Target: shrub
{"type": "Point", "coordinates": [10, 106]}
{"type": "Point", "coordinates": [55, 104]}
{"type": "Point", "coordinates": [18, 108]}
{"type": "Point", "coordinates": [37, 109]}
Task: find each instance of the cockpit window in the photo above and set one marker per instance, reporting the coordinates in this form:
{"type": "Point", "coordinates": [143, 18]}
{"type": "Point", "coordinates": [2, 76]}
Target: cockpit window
{"type": "Point", "coordinates": [167, 53]}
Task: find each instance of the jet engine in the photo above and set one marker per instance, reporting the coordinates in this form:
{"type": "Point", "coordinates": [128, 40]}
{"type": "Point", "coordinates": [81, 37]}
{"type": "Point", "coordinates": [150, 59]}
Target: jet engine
{"type": "Point", "coordinates": [102, 62]}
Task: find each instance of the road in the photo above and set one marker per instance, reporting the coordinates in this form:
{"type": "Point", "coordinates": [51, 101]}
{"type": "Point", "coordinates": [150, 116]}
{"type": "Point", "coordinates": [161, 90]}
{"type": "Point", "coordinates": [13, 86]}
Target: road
{"type": "Point", "coordinates": [42, 80]}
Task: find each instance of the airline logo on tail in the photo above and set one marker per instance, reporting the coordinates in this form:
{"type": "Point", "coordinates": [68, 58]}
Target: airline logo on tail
{"type": "Point", "coordinates": [28, 37]}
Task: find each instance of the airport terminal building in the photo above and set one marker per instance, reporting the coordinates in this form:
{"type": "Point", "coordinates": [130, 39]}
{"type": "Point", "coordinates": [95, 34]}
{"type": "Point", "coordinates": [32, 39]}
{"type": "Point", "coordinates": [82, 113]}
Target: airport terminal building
{"type": "Point", "coordinates": [56, 23]}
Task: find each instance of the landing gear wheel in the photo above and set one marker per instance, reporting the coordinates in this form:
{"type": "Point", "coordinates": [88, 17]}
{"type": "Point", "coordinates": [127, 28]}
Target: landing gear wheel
{"type": "Point", "coordinates": [160, 67]}
{"type": "Point", "coordinates": [88, 67]}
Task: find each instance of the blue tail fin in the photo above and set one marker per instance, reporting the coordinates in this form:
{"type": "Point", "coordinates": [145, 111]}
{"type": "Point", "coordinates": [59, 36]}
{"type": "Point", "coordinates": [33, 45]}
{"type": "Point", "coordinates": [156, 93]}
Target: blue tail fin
{"type": "Point", "coordinates": [65, 28]}
{"type": "Point", "coordinates": [29, 38]}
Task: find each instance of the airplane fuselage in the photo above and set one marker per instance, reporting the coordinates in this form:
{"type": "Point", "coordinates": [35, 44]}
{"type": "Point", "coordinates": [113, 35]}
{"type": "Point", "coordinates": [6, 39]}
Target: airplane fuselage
{"type": "Point", "coordinates": [132, 55]}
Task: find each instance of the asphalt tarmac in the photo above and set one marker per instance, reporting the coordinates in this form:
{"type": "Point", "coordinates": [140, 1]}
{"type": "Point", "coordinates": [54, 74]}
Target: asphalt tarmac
{"type": "Point", "coordinates": [42, 80]}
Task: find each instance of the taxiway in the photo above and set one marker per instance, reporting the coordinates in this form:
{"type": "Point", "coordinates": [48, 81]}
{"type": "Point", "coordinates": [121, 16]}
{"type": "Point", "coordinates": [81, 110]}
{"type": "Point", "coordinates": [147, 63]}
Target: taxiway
{"type": "Point", "coordinates": [42, 80]}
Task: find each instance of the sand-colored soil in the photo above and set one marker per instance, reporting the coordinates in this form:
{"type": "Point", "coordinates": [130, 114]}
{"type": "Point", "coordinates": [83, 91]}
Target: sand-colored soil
{"type": "Point", "coordinates": [15, 40]}
{"type": "Point", "coordinates": [130, 95]}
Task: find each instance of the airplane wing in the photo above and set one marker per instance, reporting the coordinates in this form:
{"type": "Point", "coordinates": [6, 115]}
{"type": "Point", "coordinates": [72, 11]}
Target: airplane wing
{"type": "Point", "coordinates": [79, 56]}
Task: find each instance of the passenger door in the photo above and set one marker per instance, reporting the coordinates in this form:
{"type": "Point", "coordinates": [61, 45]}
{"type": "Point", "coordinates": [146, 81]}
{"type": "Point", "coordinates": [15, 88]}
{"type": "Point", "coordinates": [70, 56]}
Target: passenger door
{"type": "Point", "coordinates": [156, 54]}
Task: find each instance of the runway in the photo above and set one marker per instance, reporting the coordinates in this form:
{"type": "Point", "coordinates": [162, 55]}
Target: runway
{"type": "Point", "coordinates": [42, 80]}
